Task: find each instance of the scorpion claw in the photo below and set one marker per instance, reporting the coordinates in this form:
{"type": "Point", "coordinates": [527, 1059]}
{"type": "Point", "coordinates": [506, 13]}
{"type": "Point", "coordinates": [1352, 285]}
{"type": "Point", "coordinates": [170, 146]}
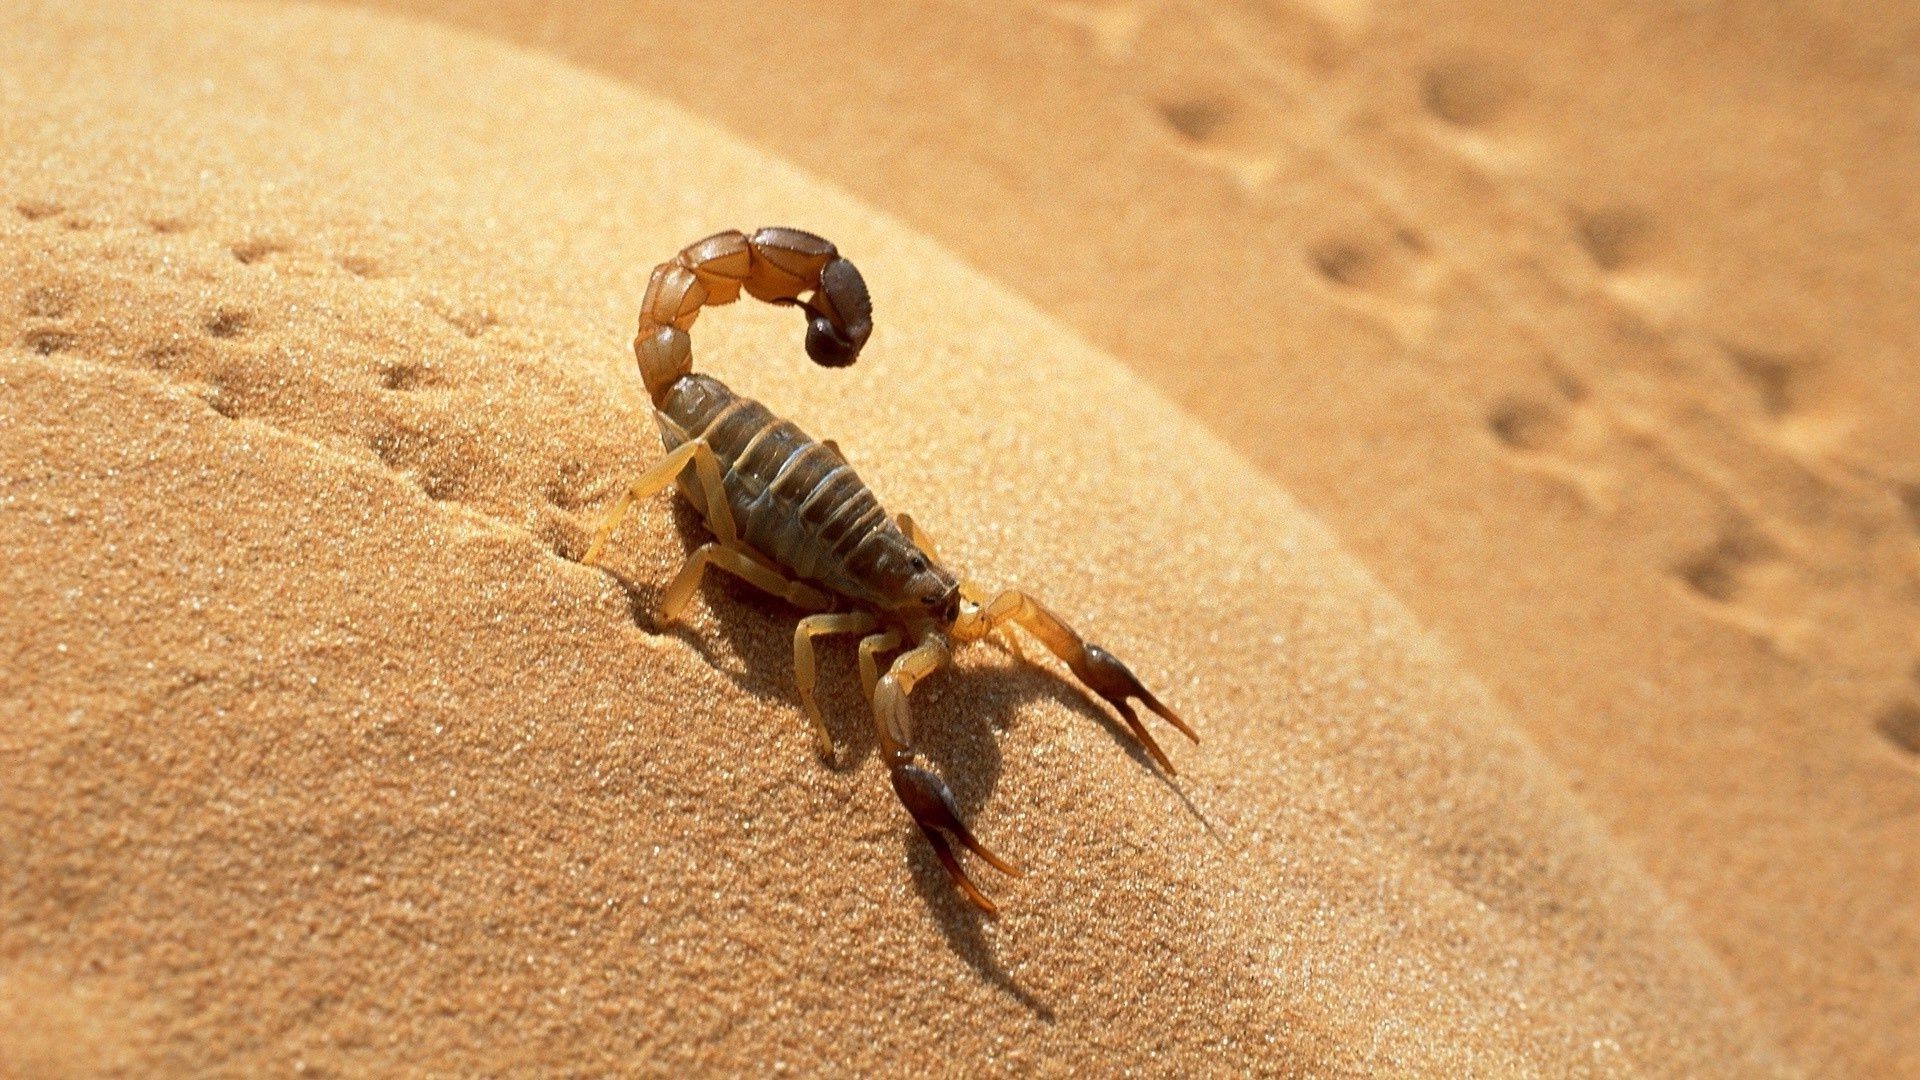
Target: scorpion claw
{"type": "Point", "coordinates": [952, 862]}
{"type": "Point", "coordinates": [931, 803]}
{"type": "Point", "coordinates": [1107, 676]}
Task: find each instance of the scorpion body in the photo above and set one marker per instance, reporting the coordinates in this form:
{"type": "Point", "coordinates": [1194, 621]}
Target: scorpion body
{"type": "Point", "coordinates": [790, 516]}
{"type": "Point", "coordinates": [794, 499]}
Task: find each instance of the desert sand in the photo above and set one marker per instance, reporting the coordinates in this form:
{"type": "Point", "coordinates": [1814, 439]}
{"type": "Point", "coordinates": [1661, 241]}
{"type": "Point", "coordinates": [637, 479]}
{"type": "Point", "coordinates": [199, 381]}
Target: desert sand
{"type": "Point", "coordinates": [1533, 562]}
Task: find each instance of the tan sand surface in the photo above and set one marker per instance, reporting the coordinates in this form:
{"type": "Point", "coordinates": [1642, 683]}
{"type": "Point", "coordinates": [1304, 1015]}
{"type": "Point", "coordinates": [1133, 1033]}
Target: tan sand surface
{"type": "Point", "coordinates": [1589, 329]}
{"type": "Point", "coordinates": [321, 754]}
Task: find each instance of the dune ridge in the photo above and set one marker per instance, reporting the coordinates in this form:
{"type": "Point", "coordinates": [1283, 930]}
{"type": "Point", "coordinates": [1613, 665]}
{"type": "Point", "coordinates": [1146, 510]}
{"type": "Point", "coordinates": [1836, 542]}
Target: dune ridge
{"type": "Point", "coordinates": [322, 752]}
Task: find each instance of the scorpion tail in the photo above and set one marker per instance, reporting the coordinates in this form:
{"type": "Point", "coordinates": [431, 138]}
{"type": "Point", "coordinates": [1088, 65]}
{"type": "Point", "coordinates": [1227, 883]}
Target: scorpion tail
{"type": "Point", "coordinates": [839, 316]}
{"type": "Point", "coordinates": [777, 265]}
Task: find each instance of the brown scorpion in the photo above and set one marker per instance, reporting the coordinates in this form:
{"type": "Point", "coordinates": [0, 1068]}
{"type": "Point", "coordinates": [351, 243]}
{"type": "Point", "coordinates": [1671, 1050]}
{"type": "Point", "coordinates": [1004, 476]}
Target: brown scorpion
{"type": "Point", "coordinates": [789, 515]}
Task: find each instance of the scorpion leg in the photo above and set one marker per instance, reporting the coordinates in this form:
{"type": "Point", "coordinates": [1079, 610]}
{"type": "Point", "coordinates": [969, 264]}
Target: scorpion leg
{"type": "Point", "coordinates": [916, 534]}
{"type": "Point", "coordinates": [739, 564]}
{"type": "Point", "coordinates": [926, 796]}
{"type": "Point", "coordinates": [1091, 664]}
{"type": "Point", "coordinates": [870, 648]}
{"type": "Point", "coordinates": [719, 517]}
{"type": "Point", "coordinates": [845, 622]}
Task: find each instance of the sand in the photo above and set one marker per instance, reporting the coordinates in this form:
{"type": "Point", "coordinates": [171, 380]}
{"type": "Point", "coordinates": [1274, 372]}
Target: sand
{"type": "Point", "coordinates": [322, 753]}
{"type": "Point", "coordinates": [1591, 335]}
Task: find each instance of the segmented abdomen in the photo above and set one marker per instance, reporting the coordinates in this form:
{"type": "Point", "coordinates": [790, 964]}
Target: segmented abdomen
{"type": "Point", "coordinates": [793, 499]}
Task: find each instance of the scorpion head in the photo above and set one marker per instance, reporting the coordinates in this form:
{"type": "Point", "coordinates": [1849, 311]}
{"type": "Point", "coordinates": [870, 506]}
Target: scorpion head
{"type": "Point", "coordinates": [930, 592]}
{"type": "Point", "coordinates": [839, 316]}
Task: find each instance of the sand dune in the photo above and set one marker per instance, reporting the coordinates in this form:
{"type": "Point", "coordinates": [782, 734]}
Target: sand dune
{"type": "Point", "coordinates": [322, 752]}
{"type": "Point", "coordinates": [1591, 334]}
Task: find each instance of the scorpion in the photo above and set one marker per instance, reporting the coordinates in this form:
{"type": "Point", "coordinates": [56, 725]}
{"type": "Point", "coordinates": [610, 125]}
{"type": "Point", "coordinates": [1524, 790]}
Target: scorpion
{"type": "Point", "coordinates": [791, 517]}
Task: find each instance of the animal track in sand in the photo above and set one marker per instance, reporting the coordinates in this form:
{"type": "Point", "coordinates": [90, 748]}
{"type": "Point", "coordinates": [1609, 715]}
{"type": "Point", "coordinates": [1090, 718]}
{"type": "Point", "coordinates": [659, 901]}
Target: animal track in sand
{"type": "Point", "coordinates": [1717, 572]}
{"type": "Point", "coordinates": [47, 302]}
{"type": "Point", "coordinates": [444, 467]}
{"type": "Point", "coordinates": [567, 490]}
{"type": "Point", "coordinates": [1778, 379]}
{"type": "Point", "coordinates": [1910, 498]}
{"type": "Point", "coordinates": [1790, 391]}
{"type": "Point", "coordinates": [252, 251]}
{"type": "Point", "coordinates": [242, 387]}
{"type": "Point", "coordinates": [1384, 271]}
{"type": "Point", "coordinates": [1468, 92]}
{"type": "Point", "coordinates": [567, 539]}
{"type": "Point", "coordinates": [1556, 434]}
{"type": "Point", "coordinates": [470, 321]}
{"type": "Point", "coordinates": [1639, 260]}
{"type": "Point", "coordinates": [147, 316]}
{"type": "Point", "coordinates": [1527, 423]}
{"type": "Point", "coordinates": [1899, 725]}
{"type": "Point", "coordinates": [1223, 131]}
{"type": "Point", "coordinates": [1616, 237]}
{"type": "Point", "coordinates": [177, 360]}
{"type": "Point", "coordinates": [1748, 580]}
{"type": "Point", "coordinates": [1199, 119]}
{"type": "Point", "coordinates": [228, 322]}
{"type": "Point", "coordinates": [361, 266]}
{"type": "Point", "coordinates": [220, 401]}
{"type": "Point", "coordinates": [1342, 262]}
{"type": "Point", "coordinates": [409, 377]}
{"type": "Point", "coordinates": [46, 341]}
{"type": "Point", "coordinates": [1361, 262]}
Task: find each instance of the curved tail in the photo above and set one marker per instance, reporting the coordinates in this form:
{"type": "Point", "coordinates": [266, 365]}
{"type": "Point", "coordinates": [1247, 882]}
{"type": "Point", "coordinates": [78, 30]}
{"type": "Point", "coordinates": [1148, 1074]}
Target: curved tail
{"type": "Point", "coordinates": [774, 264]}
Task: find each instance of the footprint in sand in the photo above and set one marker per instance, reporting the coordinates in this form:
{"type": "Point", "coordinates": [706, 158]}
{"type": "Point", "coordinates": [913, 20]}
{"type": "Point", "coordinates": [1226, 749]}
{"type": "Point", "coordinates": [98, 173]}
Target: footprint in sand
{"type": "Point", "coordinates": [469, 320]}
{"type": "Point", "coordinates": [248, 252]}
{"type": "Point", "coordinates": [1746, 579]}
{"type": "Point", "coordinates": [1788, 387]}
{"type": "Point", "coordinates": [47, 302]}
{"type": "Point", "coordinates": [46, 341]}
{"type": "Point", "coordinates": [1716, 572]}
{"type": "Point", "coordinates": [1475, 105]}
{"type": "Point", "coordinates": [362, 266]}
{"type": "Point", "coordinates": [558, 526]}
{"type": "Point", "coordinates": [1616, 237]}
{"type": "Point", "coordinates": [1555, 434]}
{"type": "Point", "coordinates": [209, 351]}
{"type": "Point", "coordinates": [1227, 132]}
{"type": "Point", "coordinates": [1899, 725]}
{"type": "Point", "coordinates": [443, 466]}
{"type": "Point", "coordinates": [1636, 254]}
{"type": "Point", "coordinates": [1385, 270]}
{"type": "Point", "coordinates": [1910, 498]}
{"type": "Point", "coordinates": [242, 386]}
{"type": "Point", "coordinates": [228, 322]}
{"type": "Point", "coordinates": [410, 377]}
{"type": "Point", "coordinates": [1468, 92]}
{"type": "Point", "coordinates": [38, 209]}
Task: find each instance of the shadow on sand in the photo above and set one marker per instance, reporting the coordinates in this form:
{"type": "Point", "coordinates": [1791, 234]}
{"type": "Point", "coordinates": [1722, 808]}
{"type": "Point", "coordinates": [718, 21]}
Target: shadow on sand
{"type": "Point", "coordinates": [957, 714]}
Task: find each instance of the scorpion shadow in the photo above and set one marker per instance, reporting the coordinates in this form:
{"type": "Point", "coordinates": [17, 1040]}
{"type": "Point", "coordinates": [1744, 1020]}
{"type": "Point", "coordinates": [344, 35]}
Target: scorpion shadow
{"type": "Point", "coordinates": [959, 712]}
